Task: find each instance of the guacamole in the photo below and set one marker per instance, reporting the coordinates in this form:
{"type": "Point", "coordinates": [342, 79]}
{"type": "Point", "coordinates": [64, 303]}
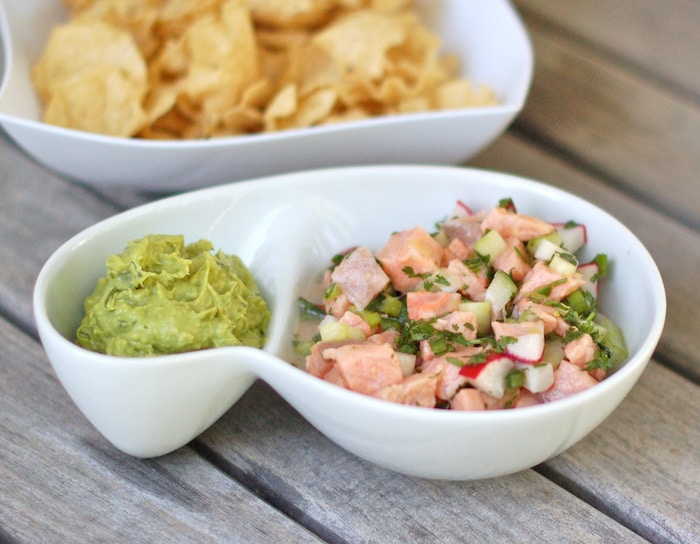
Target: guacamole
{"type": "Point", "coordinates": [161, 296]}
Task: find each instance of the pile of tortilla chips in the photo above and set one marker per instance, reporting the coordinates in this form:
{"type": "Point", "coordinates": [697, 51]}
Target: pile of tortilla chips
{"type": "Point", "coordinates": [175, 69]}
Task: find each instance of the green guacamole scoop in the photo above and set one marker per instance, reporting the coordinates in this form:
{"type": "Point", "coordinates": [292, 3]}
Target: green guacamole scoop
{"type": "Point", "coordinates": [161, 296]}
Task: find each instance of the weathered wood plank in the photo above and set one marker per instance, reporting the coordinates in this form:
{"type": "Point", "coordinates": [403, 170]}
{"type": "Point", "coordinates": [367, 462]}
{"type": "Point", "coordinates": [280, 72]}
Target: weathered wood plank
{"type": "Point", "coordinates": [642, 466]}
{"type": "Point", "coordinates": [62, 482]}
{"type": "Point", "coordinates": [633, 132]}
{"type": "Point", "coordinates": [659, 38]}
{"type": "Point", "coordinates": [263, 442]}
{"type": "Point", "coordinates": [673, 246]}
{"type": "Point", "coordinates": [38, 212]}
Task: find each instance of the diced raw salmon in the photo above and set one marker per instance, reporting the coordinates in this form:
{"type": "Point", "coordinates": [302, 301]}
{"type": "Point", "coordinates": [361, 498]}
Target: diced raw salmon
{"type": "Point", "coordinates": [415, 390]}
{"type": "Point", "coordinates": [326, 281]}
{"type": "Point", "coordinates": [449, 381]}
{"type": "Point", "coordinates": [598, 374]}
{"type": "Point", "coordinates": [568, 380]}
{"type": "Point", "coordinates": [525, 399]}
{"type": "Point", "coordinates": [449, 378]}
{"type": "Point", "coordinates": [333, 376]}
{"type": "Point", "coordinates": [500, 403]}
{"type": "Point", "coordinates": [354, 320]}
{"type": "Point", "coordinates": [551, 316]}
{"type": "Point", "coordinates": [562, 290]}
{"type": "Point", "coordinates": [316, 364]}
{"type": "Point", "coordinates": [468, 398]}
{"type": "Point", "coordinates": [460, 322]}
{"type": "Point", "coordinates": [542, 276]}
{"type": "Point", "coordinates": [516, 328]}
{"type": "Point", "coordinates": [338, 305]}
{"type": "Point", "coordinates": [581, 350]}
{"type": "Point", "coordinates": [513, 259]}
{"type": "Point", "coordinates": [425, 352]}
{"type": "Point", "coordinates": [414, 249]}
{"type": "Point", "coordinates": [472, 284]}
{"type": "Point", "coordinates": [360, 277]}
{"type": "Point", "coordinates": [426, 305]}
{"type": "Point", "coordinates": [385, 337]}
{"type": "Point", "coordinates": [456, 249]}
{"type": "Point", "coordinates": [366, 367]}
{"type": "Point", "coordinates": [510, 224]}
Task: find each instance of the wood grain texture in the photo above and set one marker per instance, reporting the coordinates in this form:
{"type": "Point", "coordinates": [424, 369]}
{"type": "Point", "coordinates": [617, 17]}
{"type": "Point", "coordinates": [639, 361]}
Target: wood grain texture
{"type": "Point", "coordinates": [38, 212]}
{"type": "Point", "coordinates": [60, 481]}
{"type": "Point", "coordinates": [263, 441]}
{"type": "Point", "coordinates": [642, 466]}
{"type": "Point", "coordinates": [658, 39]}
{"type": "Point", "coordinates": [628, 130]}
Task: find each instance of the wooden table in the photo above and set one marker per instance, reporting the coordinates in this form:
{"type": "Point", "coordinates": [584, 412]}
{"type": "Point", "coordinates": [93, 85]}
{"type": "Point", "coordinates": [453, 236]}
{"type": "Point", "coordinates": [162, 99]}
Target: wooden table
{"type": "Point", "coordinates": [614, 116]}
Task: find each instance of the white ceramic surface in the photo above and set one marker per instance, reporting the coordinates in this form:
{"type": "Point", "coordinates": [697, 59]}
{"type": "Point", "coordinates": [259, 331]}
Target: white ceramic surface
{"type": "Point", "coordinates": [486, 34]}
{"type": "Point", "coordinates": [286, 229]}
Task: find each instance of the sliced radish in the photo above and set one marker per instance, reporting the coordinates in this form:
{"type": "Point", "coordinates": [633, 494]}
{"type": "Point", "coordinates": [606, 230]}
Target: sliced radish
{"type": "Point", "coordinates": [573, 237]}
{"type": "Point", "coordinates": [589, 272]}
{"type": "Point", "coordinates": [538, 378]}
{"type": "Point", "coordinates": [527, 337]}
{"type": "Point", "coordinates": [461, 210]}
{"type": "Point", "coordinates": [528, 348]}
{"type": "Point", "coordinates": [489, 377]}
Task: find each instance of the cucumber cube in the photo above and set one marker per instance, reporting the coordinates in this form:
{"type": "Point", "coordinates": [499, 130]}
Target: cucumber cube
{"type": "Point", "coordinates": [490, 244]}
{"type": "Point", "coordinates": [482, 311]}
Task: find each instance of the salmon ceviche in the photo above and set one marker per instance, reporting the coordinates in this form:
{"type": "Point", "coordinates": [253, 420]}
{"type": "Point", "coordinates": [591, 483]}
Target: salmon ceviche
{"type": "Point", "coordinates": [491, 310]}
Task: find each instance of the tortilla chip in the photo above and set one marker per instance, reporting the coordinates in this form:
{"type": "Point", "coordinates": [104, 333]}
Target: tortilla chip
{"type": "Point", "coordinates": [68, 55]}
{"type": "Point", "coordinates": [291, 13]}
{"type": "Point", "coordinates": [104, 101]}
{"type": "Point", "coordinates": [211, 68]}
{"type": "Point", "coordinates": [359, 41]}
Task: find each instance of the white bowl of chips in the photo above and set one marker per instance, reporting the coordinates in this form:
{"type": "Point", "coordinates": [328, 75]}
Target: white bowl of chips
{"type": "Point", "coordinates": [157, 104]}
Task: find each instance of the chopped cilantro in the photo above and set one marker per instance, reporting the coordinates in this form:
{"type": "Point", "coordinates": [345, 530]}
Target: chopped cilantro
{"type": "Point", "coordinates": [309, 310]}
{"type": "Point", "coordinates": [568, 257]}
{"type": "Point", "coordinates": [478, 263]}
{"type": "Point", "coordinates": [441, 280]}
{"type": "Point", "coordinates": [507, 203]}
{"type": "Point", "coordinates": [478, 358]}
{"type": "Point", "coordinates": [602, 261]}
{"type": "Point", "coordinates": [335, 261]}
{"type": "Point", "coordinates": [332, 292]}
{"type": "Point", "coordinates": [515, 378]}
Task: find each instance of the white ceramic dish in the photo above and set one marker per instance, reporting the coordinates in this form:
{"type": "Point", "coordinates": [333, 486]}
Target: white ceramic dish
{"type": "Point", "coordinates": [286, 228]}
{"type": "Point", "coordinates": [486, 34]}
